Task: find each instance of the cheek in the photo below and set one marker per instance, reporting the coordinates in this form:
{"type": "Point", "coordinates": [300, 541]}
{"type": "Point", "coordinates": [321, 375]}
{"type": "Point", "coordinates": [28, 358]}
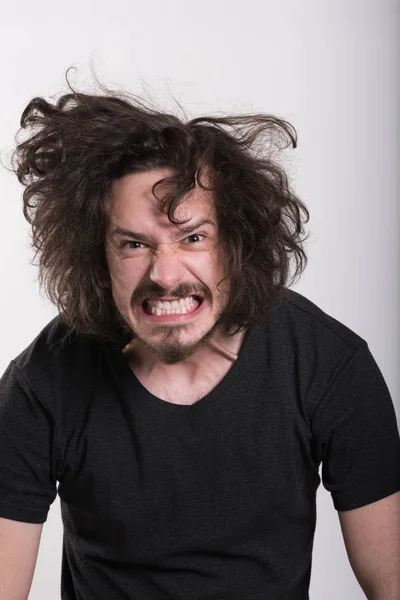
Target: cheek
{"type": "Point", "coordinates": [209, 269]}
{"type": "Point", "coordinates": [125, 277]}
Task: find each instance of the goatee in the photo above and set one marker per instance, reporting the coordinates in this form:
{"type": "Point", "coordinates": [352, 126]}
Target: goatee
{"type": "Point", "coordinates": [170, 351]}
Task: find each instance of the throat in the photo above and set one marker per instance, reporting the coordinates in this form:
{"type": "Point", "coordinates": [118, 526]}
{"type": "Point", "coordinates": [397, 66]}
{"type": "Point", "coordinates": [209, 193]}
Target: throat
{"type": "Point", "coordinates": [210, 362]}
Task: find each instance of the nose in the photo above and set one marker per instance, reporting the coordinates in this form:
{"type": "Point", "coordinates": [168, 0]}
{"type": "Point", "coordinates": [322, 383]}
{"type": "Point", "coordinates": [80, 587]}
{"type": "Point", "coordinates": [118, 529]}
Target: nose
{"type": "Point", "coordinates": [166, 270]}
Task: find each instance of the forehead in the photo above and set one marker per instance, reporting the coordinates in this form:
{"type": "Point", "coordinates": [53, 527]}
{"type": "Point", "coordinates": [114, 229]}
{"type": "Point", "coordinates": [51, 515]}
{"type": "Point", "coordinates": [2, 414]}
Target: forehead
{"type": "Point", "coordinates": [132, 201]}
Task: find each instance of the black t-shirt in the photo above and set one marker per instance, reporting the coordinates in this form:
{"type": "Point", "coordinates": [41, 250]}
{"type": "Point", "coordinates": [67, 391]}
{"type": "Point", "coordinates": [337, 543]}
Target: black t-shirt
{"type": "Point", "coordinates": [211, 501]}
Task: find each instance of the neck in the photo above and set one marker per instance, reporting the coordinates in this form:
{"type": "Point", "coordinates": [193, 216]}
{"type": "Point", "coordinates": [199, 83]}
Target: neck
{"type": "Point", "coordinates": [217, 351]}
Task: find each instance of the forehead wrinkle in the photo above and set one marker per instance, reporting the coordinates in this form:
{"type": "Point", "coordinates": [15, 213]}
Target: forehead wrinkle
{"type": "Point", "coordinates": [124, 209]}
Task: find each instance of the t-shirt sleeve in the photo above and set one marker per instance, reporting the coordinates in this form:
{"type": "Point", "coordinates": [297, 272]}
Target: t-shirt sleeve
{"type": "Point", "coordinates": [356, 434]}
{"type": "Point", "coordinates": [28, 451]}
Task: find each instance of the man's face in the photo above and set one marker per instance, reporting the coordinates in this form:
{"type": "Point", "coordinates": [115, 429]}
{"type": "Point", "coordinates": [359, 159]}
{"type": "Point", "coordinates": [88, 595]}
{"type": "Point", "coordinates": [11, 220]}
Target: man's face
{"type": "Point", "coordinates": [164, 277]}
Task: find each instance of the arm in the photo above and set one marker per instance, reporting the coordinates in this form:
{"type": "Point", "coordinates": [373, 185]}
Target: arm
{"type": "Point", "coordinates": [19, 545]}
{"type": "Point", "coordinates": [372, 539]}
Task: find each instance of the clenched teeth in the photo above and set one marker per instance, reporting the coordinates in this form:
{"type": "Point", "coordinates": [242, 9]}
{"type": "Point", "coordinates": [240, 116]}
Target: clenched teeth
{"type": "Point", "coordinates": [174, 307]}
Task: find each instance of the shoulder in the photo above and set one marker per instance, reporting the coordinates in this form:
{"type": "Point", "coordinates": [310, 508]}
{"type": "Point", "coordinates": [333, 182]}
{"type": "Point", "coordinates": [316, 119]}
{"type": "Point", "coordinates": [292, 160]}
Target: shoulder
{"type": "Point", "coordinates": [57, 355]}
{"type": "Point", "coordinates": [309, 346]}
{"type": "Point", "coordinates": [52, 343]}
{"type": "Point", "coordinates": [308, 322]}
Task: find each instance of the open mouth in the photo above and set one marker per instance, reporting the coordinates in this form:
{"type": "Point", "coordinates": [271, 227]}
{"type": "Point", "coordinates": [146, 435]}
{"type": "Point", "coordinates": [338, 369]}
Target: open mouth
{"type": "Point", "coordinates": [171, 306]}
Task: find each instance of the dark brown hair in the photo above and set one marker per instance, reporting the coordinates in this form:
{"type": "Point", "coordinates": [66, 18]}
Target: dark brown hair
{"type": "Point", "coordinates": [80, 143]}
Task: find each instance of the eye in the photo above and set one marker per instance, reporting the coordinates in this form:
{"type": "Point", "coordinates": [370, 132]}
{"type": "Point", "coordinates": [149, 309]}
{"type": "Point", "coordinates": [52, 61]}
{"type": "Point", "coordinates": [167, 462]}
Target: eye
{"type": "Point", "coordinates": [194, 236]}
{"type": "Point", "coordinates": [137, 245]}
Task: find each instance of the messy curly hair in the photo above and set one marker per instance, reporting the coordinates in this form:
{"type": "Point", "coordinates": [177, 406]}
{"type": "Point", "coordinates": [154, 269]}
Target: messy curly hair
{"type": "Point", "coordinates": [78, 145]}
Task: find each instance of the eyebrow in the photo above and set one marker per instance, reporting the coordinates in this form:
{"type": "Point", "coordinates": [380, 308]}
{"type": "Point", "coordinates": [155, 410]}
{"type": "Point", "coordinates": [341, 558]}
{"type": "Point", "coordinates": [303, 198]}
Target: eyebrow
{"type": "Point", "coordinates": [181, 231]}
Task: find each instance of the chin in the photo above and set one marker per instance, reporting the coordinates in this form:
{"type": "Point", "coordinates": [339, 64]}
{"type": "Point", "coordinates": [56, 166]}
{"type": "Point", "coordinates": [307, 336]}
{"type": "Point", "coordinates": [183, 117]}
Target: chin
{"type": "Point", "coordinates": [175, 346]}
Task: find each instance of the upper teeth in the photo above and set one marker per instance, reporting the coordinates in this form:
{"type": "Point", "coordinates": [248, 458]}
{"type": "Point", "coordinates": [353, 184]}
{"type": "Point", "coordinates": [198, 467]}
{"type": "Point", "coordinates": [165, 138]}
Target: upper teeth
{"type": "Point", "coordinates": [174, 304]}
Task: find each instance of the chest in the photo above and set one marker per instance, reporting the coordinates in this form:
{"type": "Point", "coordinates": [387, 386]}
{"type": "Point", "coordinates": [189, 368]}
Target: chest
{"type": "Point", "coordinates": [184, 392]}
{"type": "Point", "coordinates": [147, 476]}
{"type": "Point", "coordinates": [177, 393]}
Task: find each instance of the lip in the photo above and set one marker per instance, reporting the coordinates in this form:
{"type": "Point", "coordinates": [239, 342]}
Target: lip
{"type": "Point", "coordinates": [170, 318]}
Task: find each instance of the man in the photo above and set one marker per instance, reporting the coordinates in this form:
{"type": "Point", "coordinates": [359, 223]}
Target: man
{"type": "Point", "coordinates": [185, 397]}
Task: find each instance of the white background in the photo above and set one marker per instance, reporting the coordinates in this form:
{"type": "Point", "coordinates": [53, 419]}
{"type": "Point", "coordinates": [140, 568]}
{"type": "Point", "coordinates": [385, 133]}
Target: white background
{"type": "Point", "coordinates": [331, 67]}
